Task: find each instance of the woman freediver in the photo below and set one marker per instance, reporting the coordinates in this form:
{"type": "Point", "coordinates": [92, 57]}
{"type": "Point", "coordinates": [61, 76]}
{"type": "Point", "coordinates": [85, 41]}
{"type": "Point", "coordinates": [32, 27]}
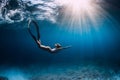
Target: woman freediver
{"type": "Point", "coordinates": [38, 41]}
{"type": "Point", "coordinates": [20, 6]}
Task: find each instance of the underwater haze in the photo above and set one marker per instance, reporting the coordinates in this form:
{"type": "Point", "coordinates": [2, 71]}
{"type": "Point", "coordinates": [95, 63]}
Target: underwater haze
{"type": "Point", "coordinates": [94, 54]}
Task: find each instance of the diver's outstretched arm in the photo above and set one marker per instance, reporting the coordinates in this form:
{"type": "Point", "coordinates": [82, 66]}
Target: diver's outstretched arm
{"type": "Point", "coordinates": [53, 50]}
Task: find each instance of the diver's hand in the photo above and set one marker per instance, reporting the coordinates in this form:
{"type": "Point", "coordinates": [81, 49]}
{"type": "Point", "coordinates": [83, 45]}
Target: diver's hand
{"type": "Point", "coordinates": [64, 47]}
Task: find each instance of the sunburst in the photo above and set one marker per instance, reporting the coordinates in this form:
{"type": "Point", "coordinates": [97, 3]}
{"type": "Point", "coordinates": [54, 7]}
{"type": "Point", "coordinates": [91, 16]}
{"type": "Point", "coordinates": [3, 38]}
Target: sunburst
{"type": "Point", "coordinates": [81, 13]}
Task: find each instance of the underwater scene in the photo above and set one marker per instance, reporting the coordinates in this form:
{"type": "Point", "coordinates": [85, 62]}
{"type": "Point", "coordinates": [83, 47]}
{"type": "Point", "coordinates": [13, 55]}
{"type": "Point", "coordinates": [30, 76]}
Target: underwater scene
{"type": "Point", "coordinates": [59, 40]}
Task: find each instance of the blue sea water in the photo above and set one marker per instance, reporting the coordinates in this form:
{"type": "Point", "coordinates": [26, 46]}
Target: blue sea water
{"type": "Point", "coordinates": [94, 55]}
{"type": "Point", "coordinates": [90, 54]}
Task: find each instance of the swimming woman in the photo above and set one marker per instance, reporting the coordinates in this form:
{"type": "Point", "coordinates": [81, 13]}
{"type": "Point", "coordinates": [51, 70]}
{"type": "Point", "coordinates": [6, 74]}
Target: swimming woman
{"type": "Point", "coordinates": [38, 41]}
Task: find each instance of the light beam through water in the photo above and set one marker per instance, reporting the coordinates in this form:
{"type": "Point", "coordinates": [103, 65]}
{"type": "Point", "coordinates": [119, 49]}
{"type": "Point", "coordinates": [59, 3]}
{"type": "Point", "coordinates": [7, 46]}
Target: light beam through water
{"type": "Point", "coordinates": [82, 14]}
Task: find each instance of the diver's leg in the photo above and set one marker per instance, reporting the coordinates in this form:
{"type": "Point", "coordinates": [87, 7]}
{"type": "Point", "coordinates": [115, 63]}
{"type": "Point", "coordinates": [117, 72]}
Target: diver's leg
{"type": "Point", "coordinates": [37, 40]}
{"type": "Point", "coordinates": [37, 29]}
{"type": "Point", "coordinates": [32, 34]}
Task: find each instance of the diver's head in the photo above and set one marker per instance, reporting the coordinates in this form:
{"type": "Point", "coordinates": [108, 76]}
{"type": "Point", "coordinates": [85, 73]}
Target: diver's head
{"type": "Point", "coordinates": [57, 45]}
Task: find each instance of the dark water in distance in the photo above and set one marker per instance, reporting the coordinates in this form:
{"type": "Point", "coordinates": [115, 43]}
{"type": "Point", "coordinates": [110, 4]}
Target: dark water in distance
{"type": "Point", "coordinates": [99, 50]}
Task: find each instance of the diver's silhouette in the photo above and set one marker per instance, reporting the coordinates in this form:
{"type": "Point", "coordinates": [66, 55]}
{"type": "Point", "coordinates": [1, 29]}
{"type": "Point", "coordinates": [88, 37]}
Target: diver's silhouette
{"type": "Point", "coordinates": [38, 41]}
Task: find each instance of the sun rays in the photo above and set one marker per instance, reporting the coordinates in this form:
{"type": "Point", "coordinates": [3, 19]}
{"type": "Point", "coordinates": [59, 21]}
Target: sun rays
{"type": "Point", "coordinates": [81, 14]}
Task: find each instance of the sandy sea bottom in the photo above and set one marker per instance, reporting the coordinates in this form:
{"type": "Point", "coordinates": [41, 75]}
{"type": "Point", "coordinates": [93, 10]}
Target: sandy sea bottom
{"type": "Point", "coordinates": [61, 72]}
